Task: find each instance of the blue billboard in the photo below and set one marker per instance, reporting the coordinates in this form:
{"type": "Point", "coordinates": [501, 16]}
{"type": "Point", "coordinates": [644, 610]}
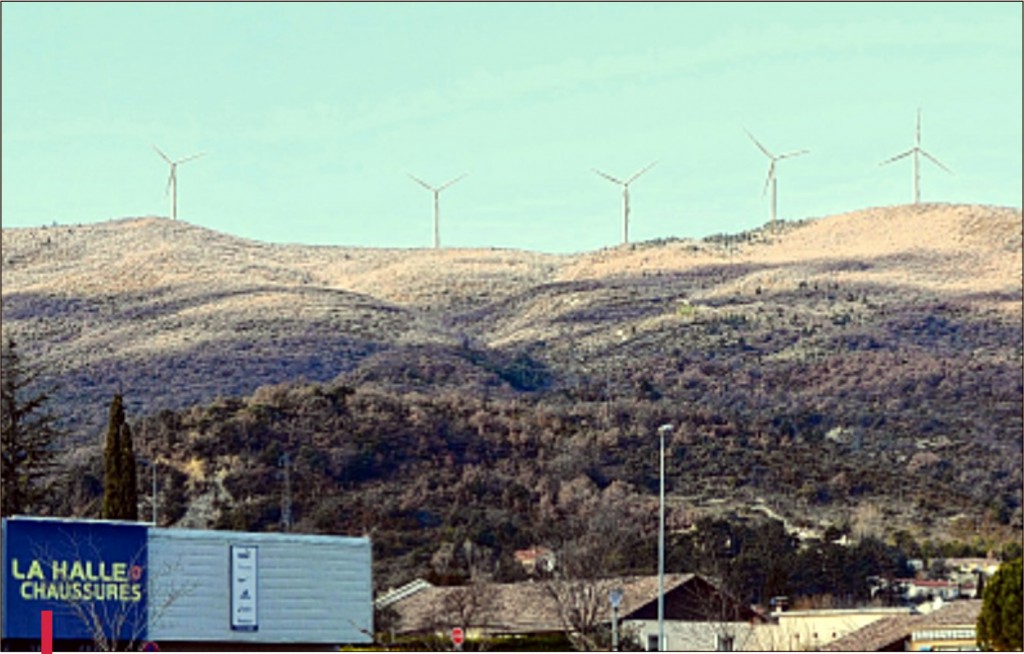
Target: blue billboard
{"type": "Point", "coordinates": [92, 575]}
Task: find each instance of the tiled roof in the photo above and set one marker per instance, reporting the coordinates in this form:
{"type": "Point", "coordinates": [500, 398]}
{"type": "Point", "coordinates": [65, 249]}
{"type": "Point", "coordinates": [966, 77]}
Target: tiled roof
{"type": "Point", "coordinates": [531, 554]}
{"type": "Point", "coordinates": [888, 631]}
{"type": "Point", "coordinates": [526, 607]}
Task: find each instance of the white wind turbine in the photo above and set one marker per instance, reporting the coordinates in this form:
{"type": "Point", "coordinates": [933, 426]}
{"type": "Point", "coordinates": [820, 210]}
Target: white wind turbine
{"type": "Point", "coordinates": [770, 180]}
{"type": "Point", "coordinates": [917, 150]}
{"type": "Point", "coordinates": [625, 196]}
{"type": "Point", "coordinates": [172, 178]}
{"type": "Point", "coordinates": [436, 191]}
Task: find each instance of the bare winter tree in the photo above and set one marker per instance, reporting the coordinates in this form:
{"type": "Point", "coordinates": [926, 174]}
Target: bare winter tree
{"type": "Point", "coordinates": [582, 606]}
{"type": "Point", "coordinates": [472, 606]}
{"type": "Point", "coordinates": [581, 582]}
{"type": "Point", "coordinates": [119, 626]}
{"type": "Point", "coordinates": [725, 619]}
{"type": "Point", "coordinates": [469, 606]}
{"type": "Point", "coordinates": [599, 535]}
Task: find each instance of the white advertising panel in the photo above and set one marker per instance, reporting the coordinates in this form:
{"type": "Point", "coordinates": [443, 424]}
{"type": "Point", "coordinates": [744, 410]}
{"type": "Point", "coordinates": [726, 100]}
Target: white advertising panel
{"type": "Point", "coordinates": [244, 586]}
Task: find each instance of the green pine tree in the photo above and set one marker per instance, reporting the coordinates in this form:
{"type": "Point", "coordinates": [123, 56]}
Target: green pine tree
{"type": "Point", "coordinates": [120, 481]}
{"type": "Point", "coordinates": [1002, 610]}
{"type": "Point", "coordinates": [28, 433]}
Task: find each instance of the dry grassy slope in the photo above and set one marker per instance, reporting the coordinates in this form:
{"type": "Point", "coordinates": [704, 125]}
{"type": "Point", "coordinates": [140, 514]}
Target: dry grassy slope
{"type": "Point", "coordinates": [957, 249]}
{"type": "Point", "coordinates": [177, 313]}
{"type": "Point", "coordinates": [969, 254]}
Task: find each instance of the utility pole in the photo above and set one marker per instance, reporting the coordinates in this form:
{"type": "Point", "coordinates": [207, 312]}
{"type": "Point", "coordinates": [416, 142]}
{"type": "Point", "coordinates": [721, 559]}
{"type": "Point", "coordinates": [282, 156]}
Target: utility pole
{"type": "Point", "coordinates": [286, 499]}
{"type": "Point", "coordinates": [152, 466]}
{"type": "Point", "coordinates": [152, 472]}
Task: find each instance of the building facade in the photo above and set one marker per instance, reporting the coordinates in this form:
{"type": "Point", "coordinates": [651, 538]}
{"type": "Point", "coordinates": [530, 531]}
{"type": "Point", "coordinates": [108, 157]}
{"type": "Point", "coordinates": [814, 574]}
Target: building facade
{"type": "Point", "coordinates": [129, 583]}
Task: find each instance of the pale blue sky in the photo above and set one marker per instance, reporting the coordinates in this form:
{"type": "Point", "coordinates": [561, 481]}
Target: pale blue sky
{"type": "Point", "coordinates": [312, 114]}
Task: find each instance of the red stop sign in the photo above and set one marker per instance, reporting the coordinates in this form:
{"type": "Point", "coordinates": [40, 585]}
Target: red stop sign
{"type": "Point", "coordinates": [458, 636]}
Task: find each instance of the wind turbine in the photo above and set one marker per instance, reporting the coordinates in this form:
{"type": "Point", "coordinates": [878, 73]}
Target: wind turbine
{"type": "Point", "coordinates": [625, 196]}
{"type": "Point", "coordinates": [172, 179]}
{"type": "Point", "coordinates": [771, 179]}
{"type": "Point", "coordinates": [436, 191]}
{"type": "Point", "coordinates": [917, 150]}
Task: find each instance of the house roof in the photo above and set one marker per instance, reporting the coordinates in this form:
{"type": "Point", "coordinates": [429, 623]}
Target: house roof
{"type": "Point", "coordinates": [525, 607]}
{"type": "Point", "coordinates": [531, 554]}
{"type": "Point", "coordinates": [696, 600]}
{"type": "Point", "coordinates": [927, 583]}
{"type": "Point", "coordinates": [889, 631]}
{"type": "Point", "coordinates": [971, 563]}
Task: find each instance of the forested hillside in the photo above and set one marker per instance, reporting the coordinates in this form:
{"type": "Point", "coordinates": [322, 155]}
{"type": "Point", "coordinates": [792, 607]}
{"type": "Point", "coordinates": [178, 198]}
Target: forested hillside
{"type": "Point", "coordinates": [860, 372]}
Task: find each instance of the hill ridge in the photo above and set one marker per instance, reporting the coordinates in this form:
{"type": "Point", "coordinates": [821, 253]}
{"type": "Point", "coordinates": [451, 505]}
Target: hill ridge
{"type": "Point", "coordinates": [91, 301]}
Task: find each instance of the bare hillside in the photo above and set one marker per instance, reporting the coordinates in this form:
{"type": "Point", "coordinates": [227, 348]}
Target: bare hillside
{"type": "Point", "coordinates": [176, 314]}
{"type": "Point", "coordinates": [961, 250]}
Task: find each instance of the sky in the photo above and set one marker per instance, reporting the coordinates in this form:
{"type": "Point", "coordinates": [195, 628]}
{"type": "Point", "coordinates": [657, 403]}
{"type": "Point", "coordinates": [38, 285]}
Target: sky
{"type": "Point", "coordinates": [312, 115]}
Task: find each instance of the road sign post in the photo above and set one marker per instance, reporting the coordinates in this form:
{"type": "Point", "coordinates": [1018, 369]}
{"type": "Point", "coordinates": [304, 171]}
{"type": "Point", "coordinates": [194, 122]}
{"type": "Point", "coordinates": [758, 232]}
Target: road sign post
{"type": "Point", "coordinates": [46, 631]}
{"type": "Point", "coordinates": [458, 637]}
{"type": "Point", "coordinates": [615, 597]}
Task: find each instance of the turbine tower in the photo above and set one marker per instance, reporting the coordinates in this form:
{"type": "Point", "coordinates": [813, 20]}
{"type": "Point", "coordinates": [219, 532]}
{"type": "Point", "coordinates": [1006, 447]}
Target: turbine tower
{"type": "Point", "coordinates": [172, 179]}
{"type": "Point", "coordinates": [770, 180]}
{"type": "Point", "coordinates": [625, 196]}
{"type": "Point", "coordinates": [436, 191]}
{"type": "Point", "coordinates": [917, 150]}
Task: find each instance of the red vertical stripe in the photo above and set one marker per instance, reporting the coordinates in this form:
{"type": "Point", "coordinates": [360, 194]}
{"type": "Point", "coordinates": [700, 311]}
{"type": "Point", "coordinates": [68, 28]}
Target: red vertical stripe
{"type": "Point", "coordinates": [46, 625]}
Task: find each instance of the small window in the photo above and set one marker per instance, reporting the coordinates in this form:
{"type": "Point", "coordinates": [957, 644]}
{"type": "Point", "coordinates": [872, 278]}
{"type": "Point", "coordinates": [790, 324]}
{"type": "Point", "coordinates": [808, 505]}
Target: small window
{"type": "Point", "coordinates": [725, 643]}
{"type": "Point", "coordinates": [652, 642]}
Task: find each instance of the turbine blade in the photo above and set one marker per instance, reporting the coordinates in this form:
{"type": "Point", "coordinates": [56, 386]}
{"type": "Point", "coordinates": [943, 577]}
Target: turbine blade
{"type": "Point", "coordinates": [899, 156]}
{"type": "Point", "coordinates": [420, 182]}
{"type": "Point", "coordinates": [936, 162]}
{"type": "Point", "coordinates": [771, 175]}
{"type": "Point", "coordinates": [792, 154]}
{"type": "Point", "coordinates": [649, 166]}
{"type": "Point", "coordinates": [195, 156]}
{"type": "Point", "coordinates": [758, 144]}
{"type": "Point", "coordinates": [161, 153]}
{"type": "Point", "coordinates": [447, 184]}
{"type": "Point", "coordinates": [170, 180]}
{"type": "Point", "coordinates": [609, 177]}
{"type": "Point", "coordinates": [918, 133]}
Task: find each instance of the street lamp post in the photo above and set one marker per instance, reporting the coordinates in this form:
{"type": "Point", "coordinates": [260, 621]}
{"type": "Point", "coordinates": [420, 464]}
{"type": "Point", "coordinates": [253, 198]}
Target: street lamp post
{"type": "Point", "coordinates": [662, 430]}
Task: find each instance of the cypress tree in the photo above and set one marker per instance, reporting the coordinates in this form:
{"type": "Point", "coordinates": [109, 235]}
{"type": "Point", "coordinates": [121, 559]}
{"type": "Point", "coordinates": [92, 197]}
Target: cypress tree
{"type": "Point", "coordinates": [130, 487]}
{"type": "Point", "coordinates": [119, 487]}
